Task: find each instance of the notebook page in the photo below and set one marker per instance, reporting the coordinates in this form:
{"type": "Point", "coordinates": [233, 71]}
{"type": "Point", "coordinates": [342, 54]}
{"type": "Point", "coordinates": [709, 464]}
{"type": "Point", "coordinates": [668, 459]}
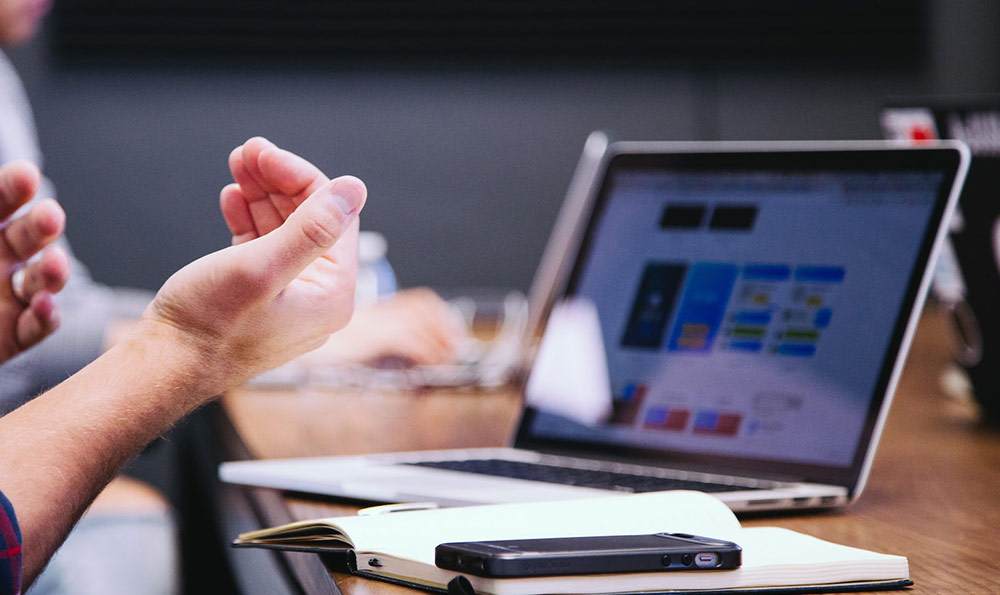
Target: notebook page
{"type": "Point", "coordinates": [414, 535]}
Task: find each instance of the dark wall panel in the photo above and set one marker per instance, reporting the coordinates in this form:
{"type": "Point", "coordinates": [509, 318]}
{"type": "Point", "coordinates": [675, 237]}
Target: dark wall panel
{"type": "Point", "coordinates": [458, 31]}
{"type": "Point", "coordinates": [466, 170]}
{"type": "Point", "coordinates": [467, 164]}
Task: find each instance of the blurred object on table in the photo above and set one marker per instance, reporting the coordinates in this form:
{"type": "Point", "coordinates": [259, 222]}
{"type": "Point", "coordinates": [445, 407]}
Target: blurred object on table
{"type": "Point", "coordinates": [376, 356]}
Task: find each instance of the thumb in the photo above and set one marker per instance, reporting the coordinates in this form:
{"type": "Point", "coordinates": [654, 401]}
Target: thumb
{"type": "Point", "coordinates": [312, 229]}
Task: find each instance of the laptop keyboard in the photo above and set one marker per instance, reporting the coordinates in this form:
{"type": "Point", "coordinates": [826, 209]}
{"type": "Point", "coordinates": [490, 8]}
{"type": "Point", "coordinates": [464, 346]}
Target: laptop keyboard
{"type": "Point", "coordinates": [588, 478]}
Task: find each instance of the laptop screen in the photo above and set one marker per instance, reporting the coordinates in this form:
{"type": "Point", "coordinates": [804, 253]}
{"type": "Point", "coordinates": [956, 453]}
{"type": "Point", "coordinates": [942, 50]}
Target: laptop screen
{"type": "Point", "coordinates": [751, 305]}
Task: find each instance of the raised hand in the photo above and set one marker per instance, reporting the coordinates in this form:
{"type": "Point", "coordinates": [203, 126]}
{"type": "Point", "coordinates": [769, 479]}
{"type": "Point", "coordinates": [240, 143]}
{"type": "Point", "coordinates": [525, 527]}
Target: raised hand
{"type": "Point", "coordinates": [416, 326]}
{"type": "Point", "coordinates": [286, 284]}
{"type": "Point", "coordinates": [28, 311]}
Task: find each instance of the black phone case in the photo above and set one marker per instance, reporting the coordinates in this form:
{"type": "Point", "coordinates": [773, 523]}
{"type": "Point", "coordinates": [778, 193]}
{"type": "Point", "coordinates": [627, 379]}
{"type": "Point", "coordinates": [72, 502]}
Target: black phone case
{"type": "Point", "coordinates": [596, 555]}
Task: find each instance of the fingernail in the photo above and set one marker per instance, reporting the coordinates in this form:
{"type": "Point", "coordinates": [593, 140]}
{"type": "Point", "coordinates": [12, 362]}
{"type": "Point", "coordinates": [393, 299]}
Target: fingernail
{"type": "Point", "coordinates": [348, 196]}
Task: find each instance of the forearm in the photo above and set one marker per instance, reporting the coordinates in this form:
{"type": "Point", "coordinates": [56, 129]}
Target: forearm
{"type": "Point", "coordinates": [90, 315]}
{"type": "Point", "coordinates": [59, 450]}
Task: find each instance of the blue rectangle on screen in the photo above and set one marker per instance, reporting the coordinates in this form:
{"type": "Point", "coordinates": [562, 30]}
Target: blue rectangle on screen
{"type": "Point", "coordinates": [797, 349]}
{"type": "Point", "coordinates": [752, 346]}
{"type": "Point", "coordinates": [767, 272]}
{"type": "Point", "coordinates": [706, 420]}
{"type": "Point", "coordinates": [656, 416]}
{"type": "Point", "coordinates": [703, 306]}
{"type": "Point", "coordinates": [758, 318]}
{"type": "Point", "coordinates": [818, 274]}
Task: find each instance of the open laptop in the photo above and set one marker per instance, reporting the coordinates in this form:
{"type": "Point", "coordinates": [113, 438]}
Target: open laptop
{"type": "Point", "coordinates": [755, 303]}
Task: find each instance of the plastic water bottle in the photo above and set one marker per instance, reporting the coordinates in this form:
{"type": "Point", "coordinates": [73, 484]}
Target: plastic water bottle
{"type": "Point", "coordinates": [376, 279]}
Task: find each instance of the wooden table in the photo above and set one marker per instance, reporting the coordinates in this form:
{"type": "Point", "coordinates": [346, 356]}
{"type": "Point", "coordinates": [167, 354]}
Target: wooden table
{"type": "Point", "coordinates": [933, 496]}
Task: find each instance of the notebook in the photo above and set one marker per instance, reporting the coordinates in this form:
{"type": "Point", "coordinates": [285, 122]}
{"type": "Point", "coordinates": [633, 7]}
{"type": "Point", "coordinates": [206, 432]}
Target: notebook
{"type": "Point", "coordinates": [742, 312]}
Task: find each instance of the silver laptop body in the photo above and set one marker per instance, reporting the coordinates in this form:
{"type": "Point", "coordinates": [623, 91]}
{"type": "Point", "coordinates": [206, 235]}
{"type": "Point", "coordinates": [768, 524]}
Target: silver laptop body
{"type": "Point", "coordinates": [755, 303]}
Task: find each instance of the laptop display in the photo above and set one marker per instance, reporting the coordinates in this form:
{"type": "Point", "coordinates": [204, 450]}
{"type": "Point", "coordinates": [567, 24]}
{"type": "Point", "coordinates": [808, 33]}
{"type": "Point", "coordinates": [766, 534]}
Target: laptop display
{"type": "Point", "coordinates": [751, 305]}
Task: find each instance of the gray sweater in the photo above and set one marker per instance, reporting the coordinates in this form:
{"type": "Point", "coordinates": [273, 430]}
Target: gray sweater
{"type": "Point", "coordinates": [87, 307]}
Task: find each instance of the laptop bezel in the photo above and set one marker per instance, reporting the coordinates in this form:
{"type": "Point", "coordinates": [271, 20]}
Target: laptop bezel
{"type": "Point", "coordinates": [951, 158]}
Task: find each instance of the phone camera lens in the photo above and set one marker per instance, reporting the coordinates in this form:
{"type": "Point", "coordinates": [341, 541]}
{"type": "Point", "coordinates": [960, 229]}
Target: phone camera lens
{"type": "Point", "coordinates": [686, 559]}
{"type": "Point", "coordinates": [665, 560]}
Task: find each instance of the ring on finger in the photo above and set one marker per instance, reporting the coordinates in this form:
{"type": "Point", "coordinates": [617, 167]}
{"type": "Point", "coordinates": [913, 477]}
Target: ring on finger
{"type": "Point", "coordinates": [17, 285]}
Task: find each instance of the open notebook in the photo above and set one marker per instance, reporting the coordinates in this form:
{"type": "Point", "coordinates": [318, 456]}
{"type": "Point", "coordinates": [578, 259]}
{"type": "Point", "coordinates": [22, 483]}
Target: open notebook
{"type": "Point", "coordinates": [400, 546]}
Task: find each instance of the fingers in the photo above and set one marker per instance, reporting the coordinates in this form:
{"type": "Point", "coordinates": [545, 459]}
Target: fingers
{"type": "Point", "coordinates": [236, 212]}
{"type": "Point", "coordinates": [246, 173]}
{"type": "Point", "coordinates": [273, 181]}
{"type": "Point", "coordinates": [47, 274]}
{"type": "Point", "coordinates": [415, 324]}
{"type": "Point", "coordinates": [288, 174]}
{"type": "Point", "coordinates": [435, 319]}
{"type": "Point", "coordinates": [34, 314]}
{"type": "Point", "coordinates": [19, 180]}
{"type": "Point", "coordinates": [311, 230]}
{"type": "Point", "coordinates": [37, 321]}
{"type": "Point", "coordinates": [26, 236]}
{"type": "Point", "coordinates": [263, 169]}
{"type": "Point", "coordinates": [243, 166]}
{"type": "Point", "coordinates": [423, 346]}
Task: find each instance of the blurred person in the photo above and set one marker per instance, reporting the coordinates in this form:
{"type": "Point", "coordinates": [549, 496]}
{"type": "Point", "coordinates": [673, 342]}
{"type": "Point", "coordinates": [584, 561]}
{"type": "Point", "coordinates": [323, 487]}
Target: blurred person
{"type": "Point", "coordinates": [94, 307]}
{"type": "Point", "coordinates": [98, 558]}
{"type": "Point", "coordinates": [277, 293]}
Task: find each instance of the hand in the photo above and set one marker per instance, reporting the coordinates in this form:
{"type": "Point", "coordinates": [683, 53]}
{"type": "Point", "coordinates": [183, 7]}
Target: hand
{"type": "Point", "coordinates": [286, 284]}
{"type": "Point", "coordinates": [415, 327]}
{"type": "Point", "coordinates": [29, 317]}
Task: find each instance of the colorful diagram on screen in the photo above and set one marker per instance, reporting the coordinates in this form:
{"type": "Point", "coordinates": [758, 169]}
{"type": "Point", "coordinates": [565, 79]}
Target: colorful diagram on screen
{"type": "Point", "coordinates": [730, 311]}
{"type": "Point", "coordinates": [782, 310]}
{"type": "Point", "coordinates": [754, 308]}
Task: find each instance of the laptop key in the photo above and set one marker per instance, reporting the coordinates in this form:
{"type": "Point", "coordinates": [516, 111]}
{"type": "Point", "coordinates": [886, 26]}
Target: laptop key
{"type": "Point", "coordinates": [589, 478]}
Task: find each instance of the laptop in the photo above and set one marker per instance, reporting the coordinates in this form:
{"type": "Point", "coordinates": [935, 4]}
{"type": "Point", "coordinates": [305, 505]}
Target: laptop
{"type": "Point", "coordinates": [753, 302]}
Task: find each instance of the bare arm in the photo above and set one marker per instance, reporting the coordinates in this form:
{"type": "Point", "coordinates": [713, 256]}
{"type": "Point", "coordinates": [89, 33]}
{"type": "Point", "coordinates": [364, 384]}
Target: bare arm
{"type": "Point", "coordinates": [215, 323]}
{"type": "Point", "coordinates": [60, 449]}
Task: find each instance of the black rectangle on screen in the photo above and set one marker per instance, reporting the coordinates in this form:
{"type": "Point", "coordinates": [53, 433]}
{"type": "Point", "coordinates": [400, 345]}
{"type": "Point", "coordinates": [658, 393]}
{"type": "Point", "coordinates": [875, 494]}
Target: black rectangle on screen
{"type": "Point", "coordinates": [733, 218]}
{"type": "Point", "coordinates": [680, 216]}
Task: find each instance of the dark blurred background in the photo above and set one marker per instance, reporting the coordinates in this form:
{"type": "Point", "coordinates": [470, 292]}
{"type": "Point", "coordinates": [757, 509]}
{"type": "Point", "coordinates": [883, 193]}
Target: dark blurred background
{"type": "Point", "coordinates": [464, 118]}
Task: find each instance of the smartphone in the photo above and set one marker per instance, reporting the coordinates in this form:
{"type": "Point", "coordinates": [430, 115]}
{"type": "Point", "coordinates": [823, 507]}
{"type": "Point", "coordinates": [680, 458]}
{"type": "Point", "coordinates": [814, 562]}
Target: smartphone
{"type": "Point", "coordinates": [588, 555]}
